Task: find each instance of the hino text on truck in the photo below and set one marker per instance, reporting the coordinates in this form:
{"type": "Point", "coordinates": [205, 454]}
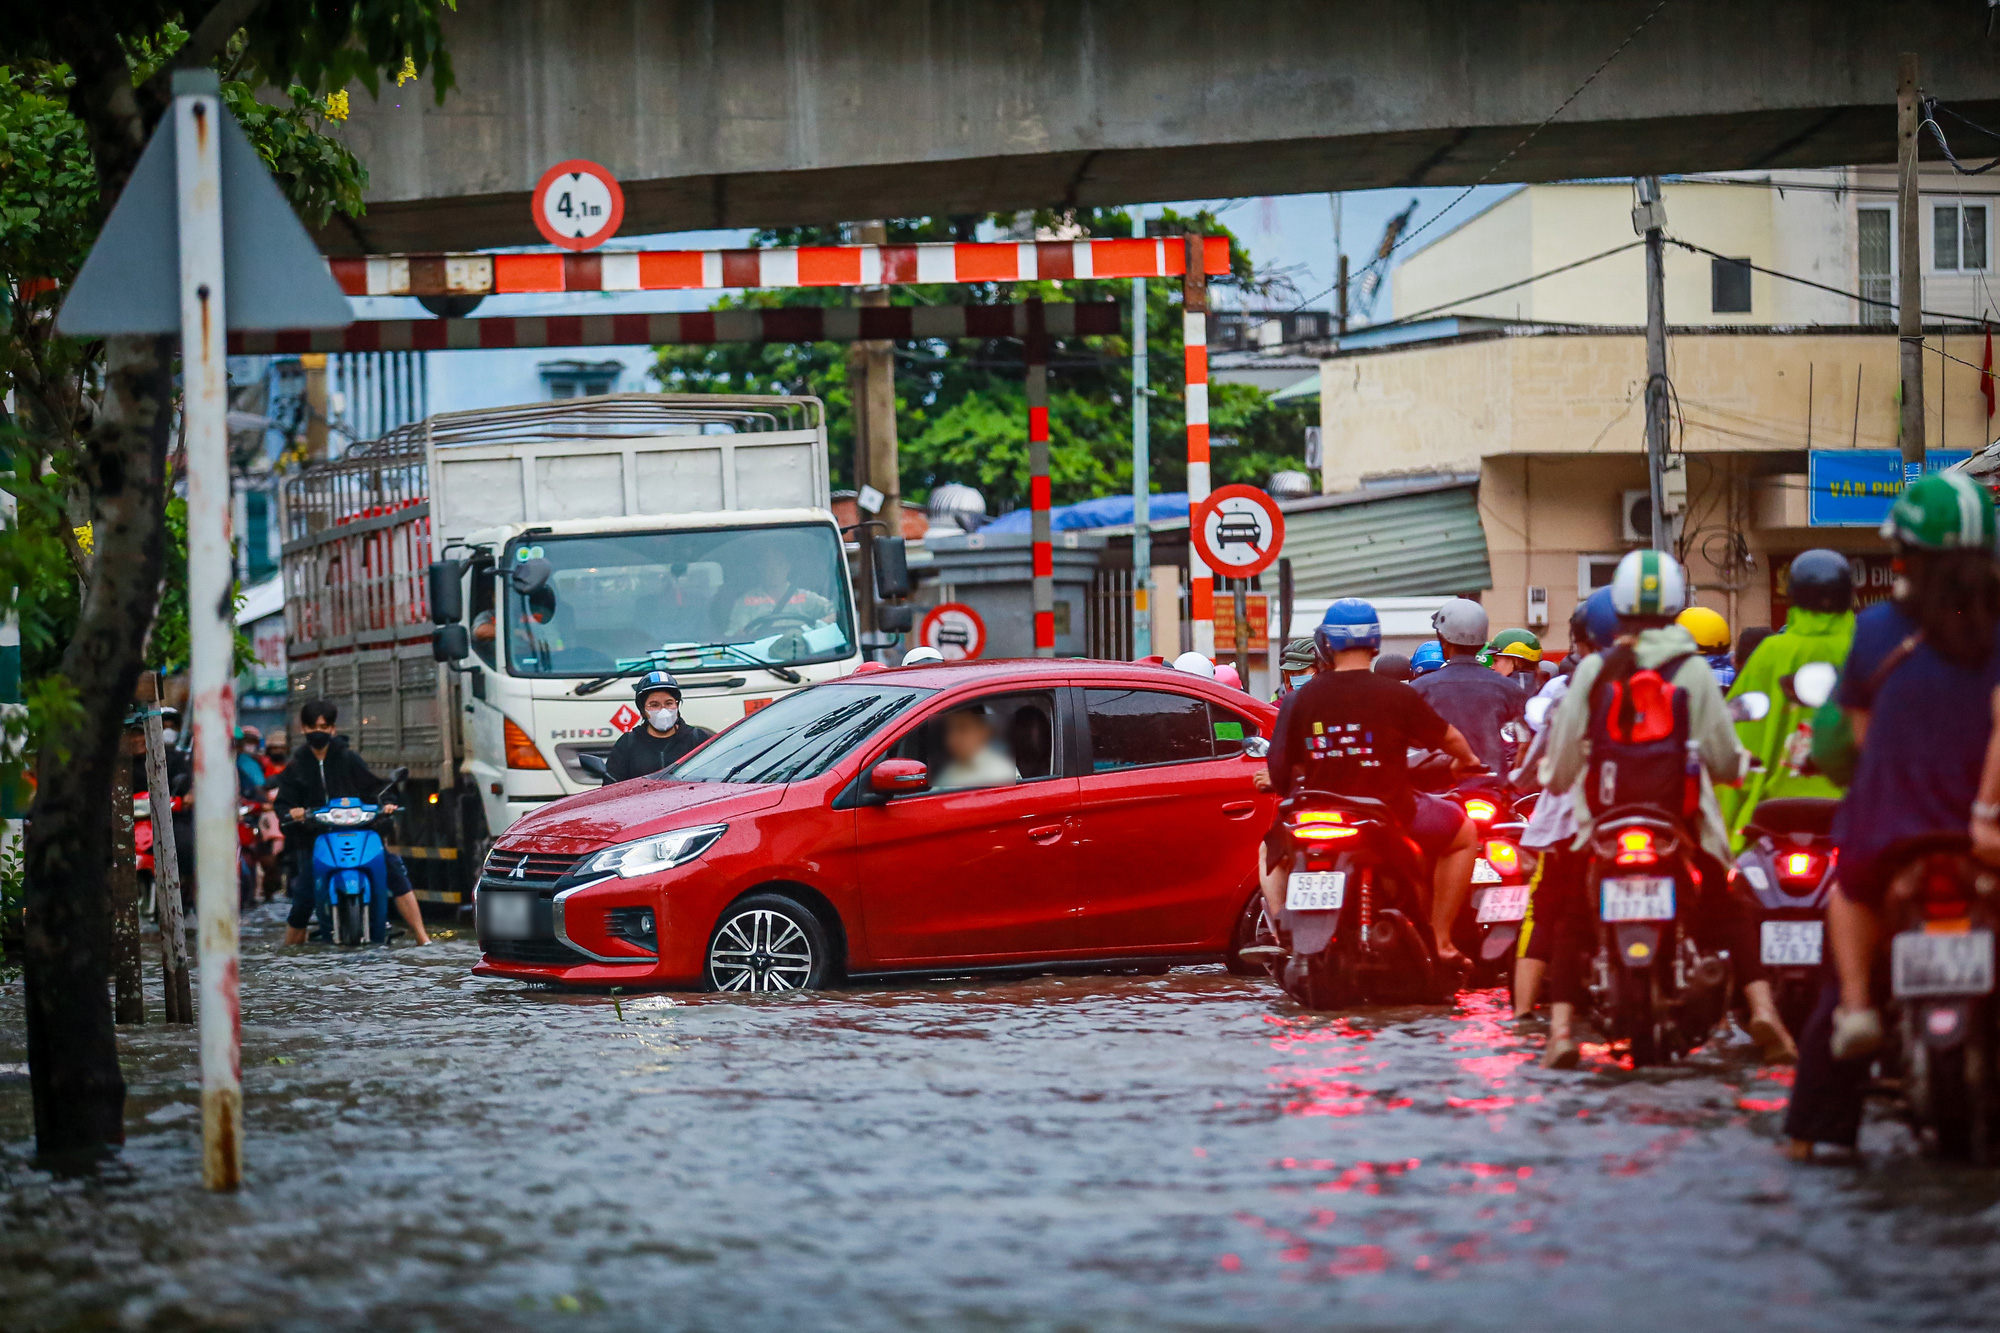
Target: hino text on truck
{"type": "Point", "coordinates": [477, 590]}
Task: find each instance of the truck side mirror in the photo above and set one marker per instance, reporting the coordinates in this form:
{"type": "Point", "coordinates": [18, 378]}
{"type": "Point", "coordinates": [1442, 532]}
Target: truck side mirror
{"type": "Point", "coordinates": [892, 567]}
{"type": "Point", "coordinates": [531, 576]}
{"type": "Point", "coordinates": [450, 643]}
{"type": "Point", "coordinates": [595, 766]}
{"type": "Point", "coordinates": [446, 585]}
{"type": "Point", "coordinates": [895, 617]}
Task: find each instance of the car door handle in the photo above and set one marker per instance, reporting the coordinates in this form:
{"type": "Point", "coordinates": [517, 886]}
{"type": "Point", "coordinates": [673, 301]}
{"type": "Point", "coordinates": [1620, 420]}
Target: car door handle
{"type": "Point", "coordinates": [1046, 834]}
{"type": "Point", "coordinates": [1239, 809]}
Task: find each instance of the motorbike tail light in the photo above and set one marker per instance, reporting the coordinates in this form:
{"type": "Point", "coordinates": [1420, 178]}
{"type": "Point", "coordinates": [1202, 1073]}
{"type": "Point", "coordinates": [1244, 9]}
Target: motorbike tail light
{"type": "Point", "coordinates": [1635, 848]}
{"type": "Point", "coordinates": [1943, 890]}
{"type": "Point", "coordinates": [1800, 867]}
{"type": "Point", "coordinates": [1504, 857]}
{"type": "Point", "coordinates": [1481, 810]}
{"type": "Point", "coordinates": [521, 751]}
{"type": "Point", "coordinates": [1324, 832]}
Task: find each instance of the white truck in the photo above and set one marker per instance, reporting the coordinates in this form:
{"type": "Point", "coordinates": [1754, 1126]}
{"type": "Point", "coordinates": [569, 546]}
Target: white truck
{"type": "Point", "coordinates": [477, 593]}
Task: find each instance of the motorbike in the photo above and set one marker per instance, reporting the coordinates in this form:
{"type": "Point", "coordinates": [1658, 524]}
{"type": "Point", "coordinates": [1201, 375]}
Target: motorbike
{"type": "Point", "coordinates": [1941, 978]}
{"type": "Point", "coordinates": [1352, 909]}
{"type": "Point", "coordinates": [1490, 926]}
{"type": "Point", "coordinates": [350, 865]}
{"type": "Point", "coordinates": [143, 842]}
{"type": "Point", "coordinates": [1649, 982]}
{"type": "Point", "coordinates": [1785, 874]}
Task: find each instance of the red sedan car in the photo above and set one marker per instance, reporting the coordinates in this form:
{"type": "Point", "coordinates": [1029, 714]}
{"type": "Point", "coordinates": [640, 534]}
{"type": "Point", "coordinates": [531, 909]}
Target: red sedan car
{"type": "Point", "coordinates": [984, 815]}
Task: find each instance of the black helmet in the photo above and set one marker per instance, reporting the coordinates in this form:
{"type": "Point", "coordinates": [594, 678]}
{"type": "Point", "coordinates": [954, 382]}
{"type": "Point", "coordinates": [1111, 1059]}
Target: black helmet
{"type": "Point", "coordinates": [1393, 665]}
{"type": "Point", "coordinates": [652, 682]}
{"type": "Point", "coordinates": [1579, 626]}
{"type": "Point", "coordinates": [1822, 580]}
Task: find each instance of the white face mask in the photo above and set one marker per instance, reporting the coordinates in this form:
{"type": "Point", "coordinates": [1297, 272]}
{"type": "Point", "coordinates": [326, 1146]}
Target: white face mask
{"type": "Point", "coordinates": [169, 735]}
{"type": "Point", "coordinates": [663, 719]}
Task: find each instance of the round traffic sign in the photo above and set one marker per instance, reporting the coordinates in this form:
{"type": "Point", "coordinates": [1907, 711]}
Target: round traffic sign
{"type": "Point", "coordinates": [954, 629]}
{"type": "Point", "coordinates": [578, 205]}
{"type": "Point", "coordinates": [1238, 531]}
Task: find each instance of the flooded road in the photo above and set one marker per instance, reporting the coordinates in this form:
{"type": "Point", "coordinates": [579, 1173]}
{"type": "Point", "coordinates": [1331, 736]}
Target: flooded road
{"type": "Point", "coordinates": [426, 1149]}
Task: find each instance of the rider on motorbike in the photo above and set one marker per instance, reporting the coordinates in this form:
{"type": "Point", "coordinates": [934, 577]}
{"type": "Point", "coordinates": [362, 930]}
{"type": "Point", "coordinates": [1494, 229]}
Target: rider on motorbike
{"type": "Point", "coordinates": [1818, 628]}
{"type": "Point", "coordinates": [1648, 591]}
{"type": "Point", "coordinates": [1477, 700]}
{"type": "Point", "coordinates": [1710, 632]}
{"type": "Point", "coordinates": [1349, 730]}
{"type": "Point", "coordinates": [1515, 653]}
{"type": "Point", "coordinates": [1920, 690]}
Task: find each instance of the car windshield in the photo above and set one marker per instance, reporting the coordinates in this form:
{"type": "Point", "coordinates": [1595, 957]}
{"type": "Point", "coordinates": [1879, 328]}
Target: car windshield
{"type": "Point", "coordinates": [798, 737]}
{"type": "Point", "coordinates": [709, 597]}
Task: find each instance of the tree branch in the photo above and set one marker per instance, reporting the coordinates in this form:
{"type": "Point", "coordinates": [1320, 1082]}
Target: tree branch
{"type": "Point", "coordinates": [212, 34]}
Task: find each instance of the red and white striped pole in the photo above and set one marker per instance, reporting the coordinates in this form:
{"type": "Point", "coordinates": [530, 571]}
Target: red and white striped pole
{"type": "Point", "coordinates": [1038, 482]}
{"type": "Point", "coordinates": [1194, 337]}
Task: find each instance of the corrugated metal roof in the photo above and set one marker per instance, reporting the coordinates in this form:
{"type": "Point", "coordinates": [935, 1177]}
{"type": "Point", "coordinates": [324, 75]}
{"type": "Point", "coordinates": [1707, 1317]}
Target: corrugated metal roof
{"type": "Point", "coordinates": [1414, 544]}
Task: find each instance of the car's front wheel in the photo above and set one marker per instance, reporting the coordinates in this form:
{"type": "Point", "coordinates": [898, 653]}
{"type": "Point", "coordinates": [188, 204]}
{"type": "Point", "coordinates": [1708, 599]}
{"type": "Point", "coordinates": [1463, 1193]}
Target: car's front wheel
{"type": "Point", "coordinates": [768, 942]}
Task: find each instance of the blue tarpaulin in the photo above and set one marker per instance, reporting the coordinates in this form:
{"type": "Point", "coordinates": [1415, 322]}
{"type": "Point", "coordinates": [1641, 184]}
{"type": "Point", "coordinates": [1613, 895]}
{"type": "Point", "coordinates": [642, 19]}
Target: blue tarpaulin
{"type": "Point", "coordinates": [1112, 511]}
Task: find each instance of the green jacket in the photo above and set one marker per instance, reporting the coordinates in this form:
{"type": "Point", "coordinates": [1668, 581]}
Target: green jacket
{"type": "Point", "coordinates": [1809, 636]}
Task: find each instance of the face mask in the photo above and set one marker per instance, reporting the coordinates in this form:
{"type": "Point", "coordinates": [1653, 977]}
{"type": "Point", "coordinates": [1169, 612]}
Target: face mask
{"type": "Point", "coordinates": [319, 740]}
{"type": "Point", "coordinates": [169, 735]}
{"type": "Point", "coordinates": [663, 719]}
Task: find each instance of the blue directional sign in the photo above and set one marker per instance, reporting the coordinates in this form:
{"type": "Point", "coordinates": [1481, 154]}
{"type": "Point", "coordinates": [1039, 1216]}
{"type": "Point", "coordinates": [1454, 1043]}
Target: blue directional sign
{"type": "Point", "coordinates": [1853, 488]}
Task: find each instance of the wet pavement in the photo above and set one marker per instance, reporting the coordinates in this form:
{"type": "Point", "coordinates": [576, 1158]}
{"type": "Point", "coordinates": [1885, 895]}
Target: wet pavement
{"type": "Point", "coordinates": [426, 1149]}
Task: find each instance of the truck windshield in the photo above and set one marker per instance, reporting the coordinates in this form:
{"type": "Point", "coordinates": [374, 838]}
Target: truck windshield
{"type": "Point", "coordinates": [702, 597]}
{"type": "Point", "coordinates": [798, 737]}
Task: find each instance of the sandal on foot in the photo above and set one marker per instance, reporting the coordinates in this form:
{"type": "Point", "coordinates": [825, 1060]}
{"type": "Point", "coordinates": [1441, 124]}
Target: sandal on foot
{"type": "Point", "coordinates": [1561, 1053]}
{"type": "Point", "coordinates": [1775, 1044]}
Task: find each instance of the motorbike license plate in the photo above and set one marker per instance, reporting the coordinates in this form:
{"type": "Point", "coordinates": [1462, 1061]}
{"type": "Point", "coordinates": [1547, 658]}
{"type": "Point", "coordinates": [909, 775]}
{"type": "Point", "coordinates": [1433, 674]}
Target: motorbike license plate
{"type": "Point", "coordinates": [1923, 963]}
{"type": "Point", "coordinates": [1316, 890]}
{"type": "Point", "coordinates": [506, 916]}
{"type": "Point", "coordinates": [1642, 898]}
{"type": "Point", "coordinates": [1508, 903]}
{"type": "Point", "coordinates": [1791, 943]}
{"type": "Point", "coordinates": [1484, 873]}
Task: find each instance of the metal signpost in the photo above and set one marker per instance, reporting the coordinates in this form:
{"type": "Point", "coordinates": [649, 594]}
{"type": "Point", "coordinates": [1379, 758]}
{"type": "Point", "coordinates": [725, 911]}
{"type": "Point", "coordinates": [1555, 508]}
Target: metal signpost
{"type": "Point", "coordinates": [200, 243]}
{"type": "Point", "coordinates": [1237, 532]}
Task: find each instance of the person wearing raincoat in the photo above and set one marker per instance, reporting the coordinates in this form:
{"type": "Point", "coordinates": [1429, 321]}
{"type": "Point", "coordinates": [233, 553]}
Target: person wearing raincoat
{"type": "Point", "coordinates": [1819, 628]}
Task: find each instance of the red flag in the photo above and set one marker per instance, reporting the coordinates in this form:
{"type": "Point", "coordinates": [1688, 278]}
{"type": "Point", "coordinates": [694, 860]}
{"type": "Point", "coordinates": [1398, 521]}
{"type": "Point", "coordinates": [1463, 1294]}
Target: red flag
{"type": "Point", "coordinates": [1986, 373]}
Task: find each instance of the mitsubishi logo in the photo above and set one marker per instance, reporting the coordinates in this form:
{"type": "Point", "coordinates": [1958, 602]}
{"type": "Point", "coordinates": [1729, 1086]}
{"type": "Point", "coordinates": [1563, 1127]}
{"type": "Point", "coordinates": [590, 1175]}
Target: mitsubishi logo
{"type": "Point", "coordinates": [519, 867]}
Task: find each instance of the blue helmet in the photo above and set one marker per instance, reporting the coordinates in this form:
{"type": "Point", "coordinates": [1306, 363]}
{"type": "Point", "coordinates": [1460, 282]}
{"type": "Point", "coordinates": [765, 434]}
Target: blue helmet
{"type": "Point", "coordinates": [1600, 618]}
{"type": "Point", "coordinates": [1348, 623]}
{"type": "Point", "coordinates": [1428, 658]}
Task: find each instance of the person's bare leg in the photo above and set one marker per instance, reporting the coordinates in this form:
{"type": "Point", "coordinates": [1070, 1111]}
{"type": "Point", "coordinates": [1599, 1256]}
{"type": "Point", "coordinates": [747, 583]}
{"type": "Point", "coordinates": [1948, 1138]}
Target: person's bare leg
{"type": "Point", "coordinates": [1853, 930]}
{"type": "Point", "coordinates": [1561, 1052]}
{"type": "Point", "coordinates": [1450, 887]}
{"type": "Point", "coordinates": [1528, 973]}
{"type": "Point", "coordinates": [1767, 1027]}
{"type": "Point", "coordinates": [1272, 878]}
{"type": "Point", "coordinates": [413, 916]}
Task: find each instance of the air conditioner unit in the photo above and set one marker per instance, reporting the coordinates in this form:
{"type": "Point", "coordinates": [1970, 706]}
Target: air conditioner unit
{"type": "Point", "coordinates": [1635, 516]}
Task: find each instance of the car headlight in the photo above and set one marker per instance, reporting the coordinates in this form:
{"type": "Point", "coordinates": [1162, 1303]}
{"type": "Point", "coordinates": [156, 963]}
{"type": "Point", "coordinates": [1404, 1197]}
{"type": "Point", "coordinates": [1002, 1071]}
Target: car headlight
{"type": "Point", "coordinates": [648, 855]}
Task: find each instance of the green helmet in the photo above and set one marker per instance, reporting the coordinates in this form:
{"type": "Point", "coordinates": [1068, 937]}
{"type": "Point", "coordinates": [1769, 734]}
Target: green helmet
{"type": "Point", "coordinates": [1298, 657]}
{"type": "Point", "coordinates": [1943, 511]}
{"type": "Point", "coordinates": [1515, 643]}
{"type": "Point", "coordinates": [1649, 583]}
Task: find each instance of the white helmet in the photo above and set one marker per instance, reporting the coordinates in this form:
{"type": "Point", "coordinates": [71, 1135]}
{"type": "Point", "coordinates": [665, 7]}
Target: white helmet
{"type": "Point", "coordinates": [919, 656]}
{"type": "Point", "coordinates": [1195, 665]}
{"type": "Point", "coordinates": [1461, 622]}
{"type": "Point", "coordinates": [1649, 583]}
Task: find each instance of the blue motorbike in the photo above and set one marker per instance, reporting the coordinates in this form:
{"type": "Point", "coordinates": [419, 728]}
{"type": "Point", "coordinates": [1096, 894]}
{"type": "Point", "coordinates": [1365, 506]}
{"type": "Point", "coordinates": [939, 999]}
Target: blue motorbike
{"type": "Point", "coordinates": [350, 866]}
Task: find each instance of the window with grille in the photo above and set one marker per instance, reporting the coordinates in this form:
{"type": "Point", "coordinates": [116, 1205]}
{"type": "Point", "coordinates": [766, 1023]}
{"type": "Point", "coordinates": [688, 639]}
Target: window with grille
{"type": "Point", "coordinates": [1958, 238]}
{"type": "Point", "coordinates": [1729, 286]}
{"type": "Point", "coordinates": [1877, 267]}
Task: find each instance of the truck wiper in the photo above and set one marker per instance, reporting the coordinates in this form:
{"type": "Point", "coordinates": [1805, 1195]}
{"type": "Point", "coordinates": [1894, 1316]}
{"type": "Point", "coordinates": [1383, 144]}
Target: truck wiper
{"type": "Point", "coordinates": [784, 673]}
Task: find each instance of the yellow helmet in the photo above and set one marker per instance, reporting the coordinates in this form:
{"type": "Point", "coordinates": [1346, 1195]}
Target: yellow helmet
{"type": "Point", "coordinates": [1710, 630]}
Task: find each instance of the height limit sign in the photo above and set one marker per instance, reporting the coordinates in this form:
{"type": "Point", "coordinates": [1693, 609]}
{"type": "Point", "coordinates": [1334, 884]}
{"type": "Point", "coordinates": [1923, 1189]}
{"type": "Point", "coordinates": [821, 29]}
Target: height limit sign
{"type": "Point", "coordinates": [578, 205]}
{"type": "Point", "coordinates": [1238, 531]}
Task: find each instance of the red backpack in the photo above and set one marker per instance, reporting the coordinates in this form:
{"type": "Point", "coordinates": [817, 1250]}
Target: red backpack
{"type": "Point", "coordinates": [1639, 751]}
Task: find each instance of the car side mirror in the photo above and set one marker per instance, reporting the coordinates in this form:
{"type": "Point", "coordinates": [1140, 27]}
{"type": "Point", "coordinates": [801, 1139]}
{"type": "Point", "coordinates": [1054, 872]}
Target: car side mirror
{"type": "Point", "coordinates": [446, 586]}
{"type": "Point", "coordinates": [1812, 684]}
{"type": "Point", "coordinates": [1752, 707]}
{"type": "Point", "coordinates": [451, 643]}
{"type": "Point", "coordinates": [892, 567]}
{"type": "Point", "coordinates": [595, 766]}
{"type": "Point", "coordinates": [531, 576]}
{"type": "Point", "coordinates": [893, 777]}
{"type": "Point", "coordinates": [1257, 747]}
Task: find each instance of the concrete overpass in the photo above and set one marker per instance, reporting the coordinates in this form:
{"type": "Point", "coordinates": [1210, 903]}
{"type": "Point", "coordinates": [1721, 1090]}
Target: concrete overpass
{"type": "Point", "coordinates": [732, 113]}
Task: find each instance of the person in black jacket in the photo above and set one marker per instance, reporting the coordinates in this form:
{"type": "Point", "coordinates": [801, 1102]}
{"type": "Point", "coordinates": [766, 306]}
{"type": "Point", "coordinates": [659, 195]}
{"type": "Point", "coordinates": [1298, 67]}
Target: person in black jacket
{"type": "Point", "coordinates": [660, 740]}
{"type": "Point", "coordinates": [321, 770]}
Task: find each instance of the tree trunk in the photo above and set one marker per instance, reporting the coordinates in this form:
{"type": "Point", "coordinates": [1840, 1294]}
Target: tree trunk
{"type": "Point", "coordinates": [128, 983]}
{"type": "Point", "coordinates": [73, 1069]}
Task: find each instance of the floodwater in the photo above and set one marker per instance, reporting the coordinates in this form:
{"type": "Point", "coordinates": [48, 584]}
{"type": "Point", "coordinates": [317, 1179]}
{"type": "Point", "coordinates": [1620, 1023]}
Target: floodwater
{"type": "Point", "coordinates": [430, 1150]}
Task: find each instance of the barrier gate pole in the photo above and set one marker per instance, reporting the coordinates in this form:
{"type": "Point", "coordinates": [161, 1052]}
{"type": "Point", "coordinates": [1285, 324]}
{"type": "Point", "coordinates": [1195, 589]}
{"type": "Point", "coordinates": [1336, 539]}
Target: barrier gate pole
{"type": "Point", "coordinates": [1037, 351]}
{"type": "Point", "coordinates": [1194, 338]}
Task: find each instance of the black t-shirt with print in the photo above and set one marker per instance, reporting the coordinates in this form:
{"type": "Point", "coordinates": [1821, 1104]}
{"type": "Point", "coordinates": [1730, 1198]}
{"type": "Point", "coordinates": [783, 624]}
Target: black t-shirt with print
{"type": "Point", "coordinates": [1347, 731]}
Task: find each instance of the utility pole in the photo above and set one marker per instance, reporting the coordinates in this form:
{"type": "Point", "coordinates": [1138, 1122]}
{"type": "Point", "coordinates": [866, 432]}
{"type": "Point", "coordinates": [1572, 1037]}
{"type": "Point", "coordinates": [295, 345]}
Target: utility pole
{"type": "Point", "coordinates": [1142, 470]}
{"type": "Point", "coordinates": [1909, 270]}
{"type": "Point", "coordinates": [1649, 219]}
{"type": "Point", "coordinates": [871, 379]}
{"type": "Point", "coordinates": [1343, 297]}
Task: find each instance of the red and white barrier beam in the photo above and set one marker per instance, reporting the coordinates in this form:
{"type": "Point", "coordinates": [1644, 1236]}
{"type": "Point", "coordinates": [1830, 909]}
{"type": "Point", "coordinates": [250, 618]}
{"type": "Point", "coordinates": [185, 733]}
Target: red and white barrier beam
{"type": "Point", "coordinates": [1044, 586]}
{"type": "Point", "coordinates": [807, 266]}
{"type": "Point", "coordinates": [1194, 335]}
{"type": "Point", "coordinates": [795, 324]}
